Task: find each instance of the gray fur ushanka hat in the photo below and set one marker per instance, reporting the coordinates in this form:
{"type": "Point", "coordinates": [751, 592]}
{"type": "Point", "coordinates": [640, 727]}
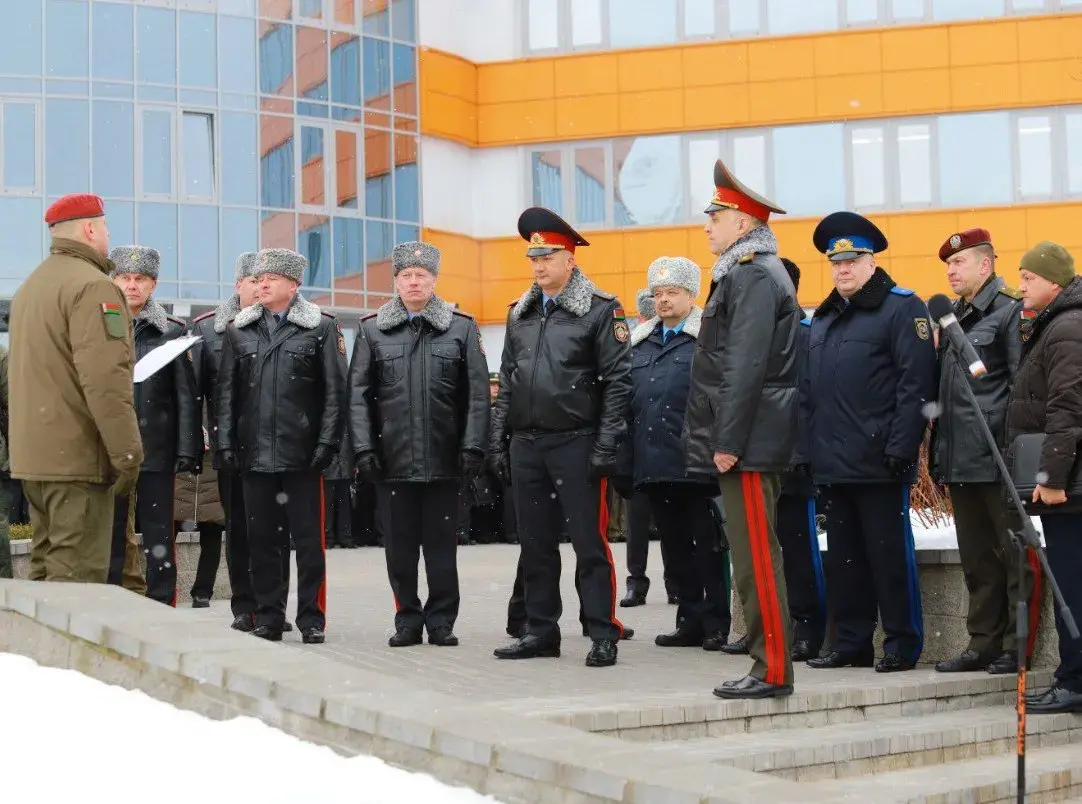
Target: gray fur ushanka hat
{"type": "Point", "coordinates": [644, 303]}
{"type": "Point", "coordinates": [282, 261]}
{"type": "Point", "coordinates": [135, 260]}
{"type": "Point", "coordinates": [678, 272]}
{"type": "Point", "coordinates": [245, 264]}
{"type": "Point", "coordinates": [415, 254]}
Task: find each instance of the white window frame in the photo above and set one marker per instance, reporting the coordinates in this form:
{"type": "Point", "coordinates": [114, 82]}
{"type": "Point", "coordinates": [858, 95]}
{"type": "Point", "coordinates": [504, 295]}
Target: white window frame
{"type": "Point", "coordinates": [330, 207]}
{"type": "Point", "coordinates": [39, 139]}
{"type": "Point", "coordinates": [178, 192]}
{"type": "Point", "coordinates": [181, 188]}
{"type": "Point", "coordinates": [322, 20]}
{"type": "Point", "coordinates": [728, 154]}
{"type": "Point", "coordinates": [694, 206]}
{"type": "Point", "coordinates": [141, 194]}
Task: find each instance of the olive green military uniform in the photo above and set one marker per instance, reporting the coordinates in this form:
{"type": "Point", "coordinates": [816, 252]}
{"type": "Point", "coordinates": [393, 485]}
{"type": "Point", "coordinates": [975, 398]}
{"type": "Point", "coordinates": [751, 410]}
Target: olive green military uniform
{"type": "Point", "coordinates": [73, 425]}
{"type": "Point", "coordinates": [133, 578]}
{"type": "Point", "coordinates": [6, 568]}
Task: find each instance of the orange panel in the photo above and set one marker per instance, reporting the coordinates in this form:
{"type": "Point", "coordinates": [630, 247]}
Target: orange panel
{"type": "Point", "coordinates": [777, 59]}
{"type": "Point", "coordinates": [916, 92]}
{"type": "Point", "coordinates": [448, 74]}
{"type": "Point", "coordinates": [974, 43]}
{"type": "Point", "coordinates": [712, 107]}
{"type": "Point", "coordinates": [840, 96]}
{"type": "Point", "coordinates": [1051, 37]}
{"type": "Point", "coordinates": [1050, 82]}
{"type": "Point", "coordinates": [589, 116]}
{"type": "Point", "coordinates": [448, 117]}
{"type": "Point", "coordinates": [525, 121]}
{"type": "Point", "coordinates": [644, 110]}
{"type": "Point", "coordinates": [710, 65]}
{"type": "Point", "coordinates": [984, 87]}
{"type": "Point", "coordinates": [585, 75]}
{"type": "Point", "coordinates": [514, 81]}
{"type": "Point", "coordinates": [656, 68]}
{"type": "Point", "coordinates": [783, 101]}
{"type": "Point", "coordinates": [849, 55]}
{"type": "Point", "coordinates": [915, 48]}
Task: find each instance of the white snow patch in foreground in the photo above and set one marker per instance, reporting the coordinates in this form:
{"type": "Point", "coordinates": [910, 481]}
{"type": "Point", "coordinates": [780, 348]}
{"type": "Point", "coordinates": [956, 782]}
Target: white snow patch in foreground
{"type": "Point", "coordinates": [942, 537]}
{"type": "Point", "coordinates": [64, 735]}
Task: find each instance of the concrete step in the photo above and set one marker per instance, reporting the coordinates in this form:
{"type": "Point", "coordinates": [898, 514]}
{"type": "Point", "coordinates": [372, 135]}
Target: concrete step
{"type": "Point", "coordinates": [1052, 774]}
{"type": "Point", "coordinates": [877, 746]}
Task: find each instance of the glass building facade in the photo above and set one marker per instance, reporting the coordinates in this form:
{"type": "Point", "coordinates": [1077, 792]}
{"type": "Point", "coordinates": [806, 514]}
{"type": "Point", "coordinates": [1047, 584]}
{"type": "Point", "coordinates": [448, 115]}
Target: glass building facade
{"type": "Point", "coordinates": [212, 127]}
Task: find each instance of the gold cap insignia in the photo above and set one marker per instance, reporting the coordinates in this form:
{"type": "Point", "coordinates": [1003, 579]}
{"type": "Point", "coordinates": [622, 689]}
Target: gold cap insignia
{"type": "Point", "coordinates": [842, 245]}
{"type": "Point", "coordinates": [956, 241]}
{"type": "Point", "coordinates": [663, 274]}
{"type": "Point", "coordinates": [134, 258]}
{"type": "Point", "coordinates": [537, 239]}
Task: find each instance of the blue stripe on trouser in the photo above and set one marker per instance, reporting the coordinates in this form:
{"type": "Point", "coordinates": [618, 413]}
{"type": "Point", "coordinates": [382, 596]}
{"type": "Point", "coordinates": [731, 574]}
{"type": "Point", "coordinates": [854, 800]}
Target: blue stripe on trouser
{"type": "Point", "coordinates": [817, 557]}
{"type": "Point", "coordinates": [916, 615]}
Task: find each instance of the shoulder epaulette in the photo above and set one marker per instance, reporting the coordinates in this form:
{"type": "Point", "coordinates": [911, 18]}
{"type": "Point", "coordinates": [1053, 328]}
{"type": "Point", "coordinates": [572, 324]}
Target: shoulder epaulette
{"type": "Point", "coordinates": [179, 321]}
{"type": "Point", "coordinates": [512, 304]}
{"type": "Point", "coordinates": [368, 315]}
{"type": "Point", "coordinates": [897, 291]}
{"type": "Point", "coordinates": [1010, 292]}
{"type": "Point", "coordinates": [805, 322]}
{"type": "Point", "coordinates": [603, 295]}
{"type": "Point", "coordinates": [462, 313]}
{"type": "Point", "coordinates": [203, 317]}
{"type": "Point", "coordinates": [746, 258]}
{"type": "Point", "coordinates": [324, 312]}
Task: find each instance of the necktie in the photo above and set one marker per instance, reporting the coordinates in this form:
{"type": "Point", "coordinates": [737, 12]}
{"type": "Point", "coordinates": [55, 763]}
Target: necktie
{"type": "Point", "coordinates": [666, 336]}
{"type": "Point", "coordinates": [550, 308]}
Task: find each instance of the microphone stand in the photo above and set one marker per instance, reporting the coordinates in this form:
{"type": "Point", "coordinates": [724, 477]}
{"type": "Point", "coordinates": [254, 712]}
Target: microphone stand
{"type": "Point", "coordinates": [1026, 537]}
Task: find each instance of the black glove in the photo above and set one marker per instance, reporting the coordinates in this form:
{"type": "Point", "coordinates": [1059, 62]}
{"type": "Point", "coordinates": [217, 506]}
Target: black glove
{"type": "Point", "coordinates": [602, 464]}
{"type": "Point", "coordinates": [227, 459]}
{"type": "Point", "coordinates": [802, 470]}
{"type": "Point", "coordinates": [623, 485]}
{"type": "Point", "coordinates": [471, 464]}
{"type": "Point", "coordinates": [368, 466]}
{"type": "Point", "coordinates": [323, 457]}
{"type": "Point", "coordinates": [500, 464]}
{"type": "Point", "coordinates": [188, 465]}
{"type": "Point", "coordinates": [896, 466]}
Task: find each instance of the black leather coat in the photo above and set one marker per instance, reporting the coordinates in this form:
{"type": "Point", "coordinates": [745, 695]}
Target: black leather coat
{"type": "Point", "coordinates": [206, 354]}
{"type": "Point", "coordinates": [418, 390]}
{"type": "Point", "coordinates": [959, 451]}
{"type": "Point", "coordinates": [165, 402]}
{"type": "Point", "coordinates": [281, 394]}
{"type": "Point", "coordinates": [568, 373]}
{"type": "Point", "coordinates": [744, 376]}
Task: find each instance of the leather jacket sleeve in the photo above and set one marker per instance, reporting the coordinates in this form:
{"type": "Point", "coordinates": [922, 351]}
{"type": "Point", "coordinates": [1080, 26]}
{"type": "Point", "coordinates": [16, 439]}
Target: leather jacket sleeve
{"type": "Point", "coordinates": [614, 372]}
{"type": "Point", "coordinates": [801, 449]}
{"type": "Point", "coordinates": [189, 410]}
{"type": "Point", "coordinates": [752, 301]}
{"type": "Point", "coordinates": [498, 434]}
{"type": "Point", "coordinates": [1012, 337]}
{"type": "Point", "coordinates": [475, 436]}
{"type": "Point", "coordinates": [915, 360]}
{"type": "Point", "coordinates": [359, 393]}
{"type": "Point", "coordinates": [330, 427]}
{"type": "Point", "coordinates": [224, 393]}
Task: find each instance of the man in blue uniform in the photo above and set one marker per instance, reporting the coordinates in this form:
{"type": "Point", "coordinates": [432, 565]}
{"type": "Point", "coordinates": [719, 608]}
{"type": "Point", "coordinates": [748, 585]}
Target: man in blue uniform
{"type": "Point", "coordinates": [869, 376]}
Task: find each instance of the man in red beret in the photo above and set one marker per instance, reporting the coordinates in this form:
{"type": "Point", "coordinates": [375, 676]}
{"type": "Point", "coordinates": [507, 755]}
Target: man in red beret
{"type": "Point", "coordinates": [989, 312]}
{"type": "Point", "coordinates": [74, 436]}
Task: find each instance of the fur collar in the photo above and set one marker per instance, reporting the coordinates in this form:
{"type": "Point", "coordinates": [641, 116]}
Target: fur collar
{"type": "Point", "coordinates": [691, 326]}
{"type": "Point", "coordinates": [759, 240]}
{"type": "Point", "coordinates": [576, 297]}
{"type": "Point", "coordinates": [869, 297]}
{"type": "Point", "coordinates": [225, 313]}
{"type": "Point", "coordinates": [393, 314]}
{"type": "Point", "coordinates": [301, 312]}
{"type": "Point", "coordinates": [155, 315]}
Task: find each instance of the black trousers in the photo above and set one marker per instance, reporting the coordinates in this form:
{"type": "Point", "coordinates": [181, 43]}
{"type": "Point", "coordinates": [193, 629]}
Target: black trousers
{"type": "Point", "coordinates": [553, 491]}
{"type": "Point", "coordinates": [280, 505]}
{"type": "Point", "coordinates": [210, 557]}
{"type": "Point", "coordinates": [421, 517]}
{"type": "Point", "coordinates": [871, 566]}
{"type": "Point", "coordinates": [638, 540]}
{"type": "Point", "coordinates": [154, 520]}
{"type": "Point", "coordinates": [1063, 546]}
{"type": "Point", "coordinates": [516, 606]}
{"type": "Point", "coordinates": [697, 561]}
{"type": "Point", "coordinates": [238, 558]}
{"type": "Point", "coordinates": [338, 512]}
{"type": "Point", "coordinates": [803, 565]}
{"type": "Point", "coordinates": [367, 530]}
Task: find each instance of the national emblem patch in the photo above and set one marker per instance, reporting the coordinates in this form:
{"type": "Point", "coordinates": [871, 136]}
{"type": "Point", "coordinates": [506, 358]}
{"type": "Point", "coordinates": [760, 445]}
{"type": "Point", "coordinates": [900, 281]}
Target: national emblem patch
{"type": "Point", "coordinates": [924, 331]}
{"type": "Point", "coordinates": [620, 331]}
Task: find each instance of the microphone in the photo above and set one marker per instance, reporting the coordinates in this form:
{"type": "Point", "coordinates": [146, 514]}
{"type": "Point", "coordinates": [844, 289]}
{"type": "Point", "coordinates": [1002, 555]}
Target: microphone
{"type": "Point", "coordinates": [941, 309]}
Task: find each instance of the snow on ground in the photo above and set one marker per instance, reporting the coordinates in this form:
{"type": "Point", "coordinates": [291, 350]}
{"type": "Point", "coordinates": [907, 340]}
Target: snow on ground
{"type": "Point", "coordinates": [64, 735]}
{"type": "Point", "coordinates": [939, 537]}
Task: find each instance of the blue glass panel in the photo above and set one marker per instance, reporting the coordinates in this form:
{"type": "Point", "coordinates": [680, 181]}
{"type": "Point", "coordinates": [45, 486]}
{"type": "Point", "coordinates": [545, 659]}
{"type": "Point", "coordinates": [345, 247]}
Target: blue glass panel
{"type": "Point", "coordinates": [377, 19]}
{"type": "Point", "coordinates": [197, 156]}
{"type": "Point", "coordinates": [405, 64]}
{"type": "Point", "coordinates": [19, 253]}
{"type": "Point", "coordinates": [120, 218]}
{"type": "Point", "coordinates": [20, 86]}
{"type": "Point", "coordinates": [67, 39]}
{"type": "Point", "coordinates": [198, 50]}
{"type": "Point", "coordinates": [67, 146]}
{"type": "Point", "coordinates": [166, 94]}
{"type": "Point", "coordinates": [20, 144]}
{"type": "Point", "coordinates": [114, 149]}
{"type": "Point", "coordinates": [239, 146]}
{"type": "Point", "coordinates": [198, 243]}
{"type": "Point", "coordinates": [113, 37]}
{"type": "Point", "coordinates": [157, 141]}
{"type": "Point", "coordinates": [237, 49]}
{"type": "Point", "coordinates": [200, 292]}
{"type": "Point", "coordinates": [306, 109]}
{"type": "Point", "coordinates": [407, 201]}
{"type": "Point", "coordinates": [101, 89]}
{"type": "Point", "coordinates": [275, 59]}
{"type": "Point", "coordinates": [348, 246]}
{"type": "Point", "coordinates": [379, 241]}
{"type": "Point", "coordinates": [377, 69]}
{"type": "Point", "coordinates": [975, 159]}
{"type": "Point", "coordinates": [230, 101]}
{"type": "Point", "coordinates": [158, 228]}
{"type": "Point", "coordinates": [198, 97]}
{"type": "Point", "coordinates": [404, 233]}
{"type": "Point", "coordinates": [277, 173]}
{"type": "Point", "coordinates": [244, 8]}
{"type": "Point", "coordinates": [61, 87]}
{"type": "Point", "coordinates": [156, 31]}
{"type": "Point", "coordinates": [315, 244]}
{"type": "Point", "coordinates": [809, 168]}
{"type": "Point", "coordinates": [547, 181]}
{"type": "Point", "coordinates": [21, 51]}
{"type": "Point", "coordinates": [346, 72]}
{"type": "Point", "coordinates": [403, 22]}
{"type": "Point", "coordinates": [377, 196]}
{"type": "Point", "coordinates": [240, 233]}
{"type": "Point", "coordinates": [346, 114]}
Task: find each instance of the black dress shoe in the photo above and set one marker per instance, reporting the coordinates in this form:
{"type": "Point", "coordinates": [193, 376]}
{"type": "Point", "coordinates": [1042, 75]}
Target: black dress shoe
{"type": "Point", "coordinates": [965, 662]}
{"type": "Point", "coordinates": [627, 633]}
{"type": "Point", "coordinates": [674, 600]}
{"type": "Point", "coordinates": [200, 602]}
{"type": "Point", "coordinates": [752, 687]}
{"type": "Point", "coordinates": [1005, 664]}
{"type": "Point", "coordinates": [893, 663]}
{"type": "Point", "coordinates": [803, 650]}
{"type": "Point", "coordinates": [636, 593]}
{"type": "Point", "coordinates": [444, 637]}
{"type": "Point", "coordinates": [1055, 700]}
{"type": "Point", "coordinates": [313, 636]}
{"type": "Point", "coordinates": [834, 659]}
{"type": "Point", "coordinates": [602, 653]}
{"type": "Point", "coordinates": [738, 647]}
{"type": "Point", "coordinates": [404, 637]}
{"type": "Point", "coordinates": [268, 633]}
{"type": "Point", "coordinates": [715, 641]}
{"type": "Point", "coordinates": [680, 638]}
{"type": "Point", "coordinates": [530, 647]}
{"type": "Point", "coordinates": [243, 622]}
{"type": "Point", "coordinates": [517, 630]}
{"type": "Point", "coordinates": [287, 626]}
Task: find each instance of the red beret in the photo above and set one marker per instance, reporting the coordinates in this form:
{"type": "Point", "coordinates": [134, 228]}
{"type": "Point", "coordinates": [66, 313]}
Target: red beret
{"type": "Point", "coordinates": [73, 207]}
{"type": "Point", "coordinates": [963, 240]}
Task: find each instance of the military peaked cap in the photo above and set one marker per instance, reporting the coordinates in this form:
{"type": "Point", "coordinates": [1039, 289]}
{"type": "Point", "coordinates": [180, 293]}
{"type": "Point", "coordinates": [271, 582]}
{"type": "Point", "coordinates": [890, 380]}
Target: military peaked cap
{"type": "Point", "coordinates": [546, 232]}
{"type": "Point", "coordinates": [729, 193]}
{"type": "Point", "coordinates": [847, 235]}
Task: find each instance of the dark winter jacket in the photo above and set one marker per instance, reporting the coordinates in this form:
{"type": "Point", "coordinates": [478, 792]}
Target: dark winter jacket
{"type": "Point", "coordinates": [959, 452]}
{"type": "Point", "coordinates": [797, 481]}
{"type": "Point", "coordinates": [870, 375]}
{"type": "Point", "coordinates": [342, 466]}
{"type": "Point", "coordinates": [1047, 393]}
{"type": "Point", "coordinates": [418, 390]}
{"type": "Point", "coordinates": [568, 373]}
{"type": "Point", "coordinates": [196, 498]}
{"type": "Point", "coordinates": [660, 378]}
{"type": "Point", "coordinates": [166, 401]}
{"type": "Point", "coordinates": [744, 376]}
{"type": "Point", "coordinates": [206, 354]}
{"type": "Point", "coordinates": [282, 394]}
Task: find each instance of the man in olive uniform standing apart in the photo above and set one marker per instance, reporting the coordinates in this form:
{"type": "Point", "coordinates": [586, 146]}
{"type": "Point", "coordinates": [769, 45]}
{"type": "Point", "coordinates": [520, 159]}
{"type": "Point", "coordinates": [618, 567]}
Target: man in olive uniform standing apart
{"type": "Point", "coordinates": [565, 386]}
{"type": "Point", "coordinates": [168, 420]}
{"type": "Point", "coordinates": [280, 402]}
{"type": "Point", "coordinates": [419, 414]}
{"type": "Point", "coordinates": [73, 426]}
{"type": "Point", "coordinates": [741, 416]}
{"type": "Point", "coordinates": [990, 312]}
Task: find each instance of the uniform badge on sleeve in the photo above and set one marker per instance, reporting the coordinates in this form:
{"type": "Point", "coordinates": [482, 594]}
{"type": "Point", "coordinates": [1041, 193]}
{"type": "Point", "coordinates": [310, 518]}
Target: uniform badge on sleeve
{"type": "Point", "coordinates": [341, 339]}
{"type": "Point", "coordinates": [924, 332]}
{"type": "Point", "coordinates": [620, 331]}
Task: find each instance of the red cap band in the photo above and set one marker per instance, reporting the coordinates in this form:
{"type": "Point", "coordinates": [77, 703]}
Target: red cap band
{"type": "Point", "coordinates": [725, 197]}
{"type": "Point", "coordinates": [551, 240]}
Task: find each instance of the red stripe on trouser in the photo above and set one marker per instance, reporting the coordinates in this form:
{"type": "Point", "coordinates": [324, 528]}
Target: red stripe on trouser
{"type": "Point", "coordinates": [321, 598]}
{"type": "Point", "coordinates": [763, 569]}
{"type": "Point", "coordinates": [1034, 600]}
{"type": "Point", "coordinates": [603, 530]}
